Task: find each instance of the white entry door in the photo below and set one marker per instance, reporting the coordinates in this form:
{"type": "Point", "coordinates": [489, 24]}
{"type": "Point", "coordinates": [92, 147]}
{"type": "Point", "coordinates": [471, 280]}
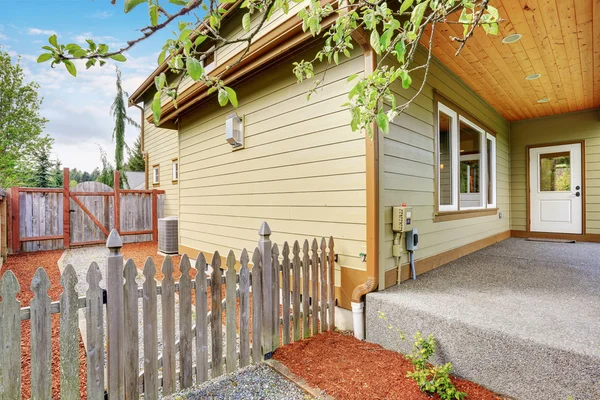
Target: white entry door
{"type": "Point", "coordinates": [556, 189]}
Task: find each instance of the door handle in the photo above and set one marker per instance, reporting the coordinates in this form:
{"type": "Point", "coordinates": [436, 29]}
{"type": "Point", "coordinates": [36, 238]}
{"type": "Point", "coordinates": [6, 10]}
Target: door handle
{"type": "Point", "coordinates": [577, 188]}
{"type": "Point", "coordinates": [577, 194]}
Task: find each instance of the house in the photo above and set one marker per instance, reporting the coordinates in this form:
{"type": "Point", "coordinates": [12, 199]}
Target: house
{"type": "Point", "coordinates": [136, 180]}
{"type": "Point", "coordinates": [503, 141]}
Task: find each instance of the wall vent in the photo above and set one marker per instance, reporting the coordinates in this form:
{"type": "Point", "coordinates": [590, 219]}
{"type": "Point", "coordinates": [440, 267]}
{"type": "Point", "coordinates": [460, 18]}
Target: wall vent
{"type": "Point", "coordinates": [168, 235]}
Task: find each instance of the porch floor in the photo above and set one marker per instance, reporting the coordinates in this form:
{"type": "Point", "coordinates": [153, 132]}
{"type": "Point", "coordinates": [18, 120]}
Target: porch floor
{"type": "Point", "coordinates": [521, 318]}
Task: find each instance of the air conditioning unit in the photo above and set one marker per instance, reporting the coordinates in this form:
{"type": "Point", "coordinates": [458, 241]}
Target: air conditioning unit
{"type": "Point", "coordinates": [168, 235]}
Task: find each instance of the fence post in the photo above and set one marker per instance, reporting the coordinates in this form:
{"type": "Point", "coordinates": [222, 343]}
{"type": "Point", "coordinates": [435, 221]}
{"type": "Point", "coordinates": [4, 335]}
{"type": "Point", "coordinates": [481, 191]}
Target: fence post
{"type": "Point", "coordinates": [115, 318]}
{"type": "Point", "coordinates": [14, 199]}
{"type": "Point", "coordinates": [154, 216]}
{"type": "Point", "coordinates": [66, 209]}
{"type": "Point", "coordinates": [117, 202]}
{"type": "Point", "coordinates": [264, 245]}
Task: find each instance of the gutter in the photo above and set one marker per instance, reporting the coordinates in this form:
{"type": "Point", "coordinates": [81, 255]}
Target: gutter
{"type": "Point", "coordinates": [372, 177]}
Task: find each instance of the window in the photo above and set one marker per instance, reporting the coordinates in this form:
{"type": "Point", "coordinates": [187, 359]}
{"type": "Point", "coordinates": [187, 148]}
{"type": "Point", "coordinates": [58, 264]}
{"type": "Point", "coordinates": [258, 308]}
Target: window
{"type": "Point", "coordinates": [209, 62]}
{"type": "Point", "coordinates": [466, 163]}
{"type": "Point", "coordinates": [175, 170]}
{"type": "Point", "coordinates": [555, 172]}
{"type": "Point", "coordinates": [155, 175]}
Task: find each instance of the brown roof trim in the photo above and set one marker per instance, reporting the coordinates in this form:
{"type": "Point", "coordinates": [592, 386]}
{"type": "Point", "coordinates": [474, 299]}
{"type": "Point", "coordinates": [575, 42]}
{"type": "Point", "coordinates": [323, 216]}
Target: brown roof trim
{"type": "Point", "coordinates": [149, 81]}
{"type": "Point", "coordinates": [272, 46]}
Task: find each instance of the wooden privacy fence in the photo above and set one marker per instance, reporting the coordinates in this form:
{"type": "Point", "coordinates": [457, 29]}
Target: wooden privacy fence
{"type": "Point", "coordinates": [57, 218]}
{"type": "Point", "coordinates": [306, 279]}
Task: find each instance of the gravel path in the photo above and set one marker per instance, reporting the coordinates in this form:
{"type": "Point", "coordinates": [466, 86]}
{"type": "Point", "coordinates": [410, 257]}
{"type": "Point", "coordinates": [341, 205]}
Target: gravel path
{"type": "Point", "coordinates": [257, 381]}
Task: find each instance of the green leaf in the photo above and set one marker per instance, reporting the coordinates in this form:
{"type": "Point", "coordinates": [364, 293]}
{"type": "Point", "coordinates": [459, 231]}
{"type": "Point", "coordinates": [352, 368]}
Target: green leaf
{"type": "Point", "coordinates": [185, 34]}
{"type": "Point", "coordinates": [79, 53]}
{"type": "Point", "coordinates": [44, 57]}
{"type": "Point", "coordinates": [131, 4]}
{"type": "Point", "coordinates": [223, 97]}
{"type": "Point", "coordinates": [352, 77]}
{"type": "Point", "coordinates": [119, 57]}
{"type": "Point", "coordinates": [199, 40]}
{"type": "Point", "coordinates": [405, 5]}
{"type": "Point", "coordinates": [70, 67]}
{"type": "Point", "coordinates": [417, 14]}
{"type": "Point", "coordinates": [400, 51]}
{"type": "Point", "coordinates": [232, 96]}
{"type": "Point", "coordinates": [178, 2]}
{"type": "Point", "coordinates": [246, 22]}
{"type": "Point", "coordinates": [53, 41]}
{"type": "Point", "coordinates": [91, 44]}
{"type": "Point", "coordinates": [194, 68]}
{"type": "Point", "coordinates": [383, 122]}
{"type": "Point", "coordinates": [153, 13]}
{"type": "Point", "coordinates": [161, 57]}
{"type": "Point", "coordinates": [493, 12]}
{"type": "Point", "coordinates": [160, 81]}
{"type": "Point", "coordinates": [156, 108]}
{"type": "Point", "coordinates": [375, 41]}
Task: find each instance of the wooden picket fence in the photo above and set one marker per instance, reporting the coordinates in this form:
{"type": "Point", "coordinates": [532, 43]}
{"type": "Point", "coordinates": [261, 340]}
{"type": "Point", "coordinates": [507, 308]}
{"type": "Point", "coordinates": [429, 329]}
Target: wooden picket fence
{"type": "Point", "coordinates": [302, 281]}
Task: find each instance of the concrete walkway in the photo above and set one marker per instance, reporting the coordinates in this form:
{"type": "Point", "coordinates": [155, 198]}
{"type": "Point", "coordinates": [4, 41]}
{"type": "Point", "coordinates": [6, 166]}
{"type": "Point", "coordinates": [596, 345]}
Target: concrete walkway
{"type": "Point", "coordinates": [521, 318]}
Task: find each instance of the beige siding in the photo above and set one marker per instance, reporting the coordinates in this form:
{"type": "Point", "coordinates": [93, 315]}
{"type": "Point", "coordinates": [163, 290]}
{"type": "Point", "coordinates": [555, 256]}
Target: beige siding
{"type": "Point", "coordinates": [583, 125]}
{"type": "Point", "coordinates": [162, 147]}
{"type": "Point", "coordinates": [408, 169]}
{"type": "Point", "coordinates": [302, 168]}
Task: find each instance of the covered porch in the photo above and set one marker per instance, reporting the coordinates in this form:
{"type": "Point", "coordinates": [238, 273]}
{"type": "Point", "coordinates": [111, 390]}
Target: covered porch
{"type": "Point", "coordinates": [519, 317]}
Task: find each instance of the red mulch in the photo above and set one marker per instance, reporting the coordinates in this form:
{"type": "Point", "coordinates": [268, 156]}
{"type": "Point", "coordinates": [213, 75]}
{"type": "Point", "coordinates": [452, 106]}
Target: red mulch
{"type": "Point", "coordinates": [349, 369]}
{"type": "Point", "coordinates": [24, 266]}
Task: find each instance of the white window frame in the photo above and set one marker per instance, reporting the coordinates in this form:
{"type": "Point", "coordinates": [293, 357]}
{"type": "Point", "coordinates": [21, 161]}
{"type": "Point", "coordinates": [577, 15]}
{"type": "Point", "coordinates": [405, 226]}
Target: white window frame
{"type": "Point", "coordinates": [456, 118]}
{"type": "Point", "coordinates": [454, 161]}
{"type": "Point", "coordinates": [175, 170]}
{"type": "Point", "coordinates": [208, 68]}
{"type": "Point", "coordinates": [155, 174]}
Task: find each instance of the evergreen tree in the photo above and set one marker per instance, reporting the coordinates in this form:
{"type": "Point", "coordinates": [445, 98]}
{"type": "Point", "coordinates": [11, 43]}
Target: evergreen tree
{"type": "Point", "coordinates": [107, 175]}
{"type": "Point", "coordinates": [136, 157]}
{"type": "Point", "coordinates": [43, 165]}
{"type": "Point", "coordinates": [58, 174]}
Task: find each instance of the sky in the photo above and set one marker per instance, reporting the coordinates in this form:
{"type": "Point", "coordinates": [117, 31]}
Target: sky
{"type": "Point", "coordinates": [78, 109]}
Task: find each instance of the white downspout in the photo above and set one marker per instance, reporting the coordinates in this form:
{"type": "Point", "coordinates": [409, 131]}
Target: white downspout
{"type": "Point", "coordinates": [358, 317]}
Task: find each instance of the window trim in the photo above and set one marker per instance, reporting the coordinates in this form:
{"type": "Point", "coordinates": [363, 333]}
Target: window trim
{"type": "Point", "coordinates": [482, 161]}
{"type": "Point", "coordinates": [156, 174]}
{"type": "Point", "coordinates": [454, 211]}
{"type": "Point", "coordinates": [175, 170]}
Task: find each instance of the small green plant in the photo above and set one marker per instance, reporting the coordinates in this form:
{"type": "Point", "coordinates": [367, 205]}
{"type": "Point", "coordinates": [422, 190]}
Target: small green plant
{"type": "Point", "coordinates": [431, 379]}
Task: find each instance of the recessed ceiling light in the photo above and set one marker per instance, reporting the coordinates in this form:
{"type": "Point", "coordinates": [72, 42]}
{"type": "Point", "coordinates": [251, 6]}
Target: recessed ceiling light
{"type": "Point", "coordinates": [532, 77]}
{"type": "Point", "coordinates": [515, 37]}
{"type": "Point", "coordinates": [544, 100]}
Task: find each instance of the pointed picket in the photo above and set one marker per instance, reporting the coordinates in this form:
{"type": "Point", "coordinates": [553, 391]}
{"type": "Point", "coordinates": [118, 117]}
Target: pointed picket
{"type": "Point", "coordinates": [305, 290]}
{"type": "Point", "coordinates": [244, 310]}
{"type": "Point", "coordinates": [215, 317]}
{"type": "Point", "coordinates": [185, 324]}
{"type": "Point", "coordinates": [331, 284]}
{"type": "Point", "coordinates": [230, 313]}
{"type": "Point", "coordinates": [315, 286]}
{"type": "Point", "coordinates": [168, 326]}
{"type": "Point", "coordinates": [296, 291]}
{"type": "Point", "coordinates": [130, 331]}
{"type": "Point", "coordinates": [275, 286]}
{"type": "Point", "coordinates": [257, 351]}
{"type": "Point", "coordinates": [323, 280]}
{"type": "Point", "coordinates": [10, 337]}
{"type": "Point", "coordinates": [41, 346]}
{"type": "Point", "coordinates": [201, 321]}
{"type": "Point", "coordinates": [69, 336]}
{"type": "Point", "coordinates": [94, 313]}
{"type": "Point", "coordinates": [285, 293]}
{"type": "Point", "coordinates": [149, 307]}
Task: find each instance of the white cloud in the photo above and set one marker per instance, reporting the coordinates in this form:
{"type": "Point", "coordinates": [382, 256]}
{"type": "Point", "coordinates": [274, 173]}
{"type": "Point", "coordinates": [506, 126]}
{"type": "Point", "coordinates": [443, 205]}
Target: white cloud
{"type": "Point", "coordinates": [37, 32]}
{"type": "Point", "coordinates": [101, 15]}
{"type": "Point", "coordinates": [111, 41]}
{"type": "Point", "coordinates": [3, 37]}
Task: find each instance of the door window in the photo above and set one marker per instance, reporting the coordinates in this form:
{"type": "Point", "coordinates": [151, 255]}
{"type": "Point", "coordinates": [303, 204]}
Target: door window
{"type": "Point", "coordinates": [555, 172]}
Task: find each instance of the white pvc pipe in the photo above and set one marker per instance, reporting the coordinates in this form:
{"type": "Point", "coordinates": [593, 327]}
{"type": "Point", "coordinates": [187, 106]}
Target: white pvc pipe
{"type": "Point", "coordinates": [358, 317]}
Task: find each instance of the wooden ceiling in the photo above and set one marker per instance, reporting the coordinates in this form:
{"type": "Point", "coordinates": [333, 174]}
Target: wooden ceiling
{"type": "Point", "coordinates": [561, 41]}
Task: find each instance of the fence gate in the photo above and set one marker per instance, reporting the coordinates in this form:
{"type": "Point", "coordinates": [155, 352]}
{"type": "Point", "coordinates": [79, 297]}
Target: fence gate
{"type": "Point", "coordinates": [91, 213]}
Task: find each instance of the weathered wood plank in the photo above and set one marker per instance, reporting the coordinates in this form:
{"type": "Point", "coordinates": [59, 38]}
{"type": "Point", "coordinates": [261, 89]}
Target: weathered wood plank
{"type": "Point", "coordinates": [323, 283]}
{"type": "Point", "coordinates": [95, 334]}
{"type": "Point", "coordinates": [168, 326]}
{"type": "Point", "coordinates": [296, 291]}
{"type": "Point", "coordinates": [257, 308]}
{"type": "Point", "coordinates": [114, 318]}
{"type": "Point", "coordinates": [185, 324]}
{"type": "Point", "coordinates": [230, 312]}
{"type": "Point", "coordinates": [275, 286]}
{"type": "Point", "coordinates": [131, 334]}
{"type": "Point", "coordinates": [244, 310]}
{"type": "Point", "coordinates": [10, 337]}
{"type": "Point", "coordinates": [285, 293]}
{"type": "Point", "coordinates": [149, 305]}
{"type": "Point", "coordinates": [201, 321]}
{"type": "Point", "coordinates": [315, 286]}
{"type": "Point", "coordinates": [215, 318]}
{"type": "Point", "coordinates": [41, 346]}
{"type": "Point", "coordinates": [266, 260]}
{"type": "Point", "coordinates": [331, 284]}
{"type": "Point", "coordinates": [69, 336]}
{"type": "Point", "coordinates": [305, 290]}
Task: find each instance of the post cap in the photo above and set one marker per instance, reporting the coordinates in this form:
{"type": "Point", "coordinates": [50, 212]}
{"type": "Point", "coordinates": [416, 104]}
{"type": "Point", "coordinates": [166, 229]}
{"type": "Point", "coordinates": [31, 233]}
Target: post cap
{"type": "Point", "coordinates": [264, 229]}
{"type": "Point", "coordinates": [114, 240]}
